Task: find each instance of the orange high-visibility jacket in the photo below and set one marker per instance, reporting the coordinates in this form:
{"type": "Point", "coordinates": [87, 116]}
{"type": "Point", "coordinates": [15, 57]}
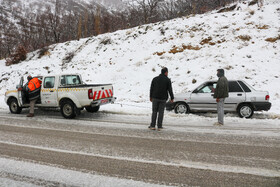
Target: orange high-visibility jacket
{"type": "Point", "coordinates": [33, 84]}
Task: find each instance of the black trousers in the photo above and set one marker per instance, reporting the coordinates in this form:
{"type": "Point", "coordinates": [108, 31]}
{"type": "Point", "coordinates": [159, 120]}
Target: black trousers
{"type": "Point", "coordinates": [158, 112]}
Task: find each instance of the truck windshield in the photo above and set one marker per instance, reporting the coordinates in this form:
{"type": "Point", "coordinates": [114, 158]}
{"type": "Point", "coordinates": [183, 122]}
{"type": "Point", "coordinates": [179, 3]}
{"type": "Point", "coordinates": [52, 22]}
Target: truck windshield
{"type": "Point", "coordinates": [67, 80]}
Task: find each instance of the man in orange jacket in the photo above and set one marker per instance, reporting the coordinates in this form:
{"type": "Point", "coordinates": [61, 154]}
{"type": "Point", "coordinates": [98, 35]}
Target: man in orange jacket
{"type": "Point", "coordinates": [33, 88]}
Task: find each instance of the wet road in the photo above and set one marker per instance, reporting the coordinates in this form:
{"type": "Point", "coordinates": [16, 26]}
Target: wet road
{"type": "Point", "coordinates": [183, 154]}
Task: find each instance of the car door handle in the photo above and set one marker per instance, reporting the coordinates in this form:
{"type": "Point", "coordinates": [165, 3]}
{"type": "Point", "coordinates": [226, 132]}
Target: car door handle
{"type": "Point", "coordinates": [51, 91]}
{"type": "Point", "coordinates": [239, 94]}
{"type": "Point", "coordinates": [212, 94]}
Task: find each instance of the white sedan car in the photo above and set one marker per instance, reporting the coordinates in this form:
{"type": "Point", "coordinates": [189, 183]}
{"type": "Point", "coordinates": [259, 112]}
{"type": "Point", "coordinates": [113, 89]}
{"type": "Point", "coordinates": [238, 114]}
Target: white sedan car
{"type": "Point", "coordinates": [242, 99]}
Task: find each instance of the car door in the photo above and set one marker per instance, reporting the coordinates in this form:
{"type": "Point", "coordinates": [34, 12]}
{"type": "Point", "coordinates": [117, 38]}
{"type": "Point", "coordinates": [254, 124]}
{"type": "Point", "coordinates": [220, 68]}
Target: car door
{"type": "Point", "coordinates": [202, 98]}
{"type": "Point", "coordinates": [236, 96]}
{"type": "Point", "coordinates": [48, 92]}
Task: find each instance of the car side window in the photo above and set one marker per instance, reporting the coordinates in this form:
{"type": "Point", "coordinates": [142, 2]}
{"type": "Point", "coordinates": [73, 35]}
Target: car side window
{"type": "Point", "coordinates": [234, 87]}
{"type": "Point", "coordinates": [244, 86]}
{"type": "Point", "coordinates": [209, 88]}
{"type": "Point", "coordinates": [49, 82]}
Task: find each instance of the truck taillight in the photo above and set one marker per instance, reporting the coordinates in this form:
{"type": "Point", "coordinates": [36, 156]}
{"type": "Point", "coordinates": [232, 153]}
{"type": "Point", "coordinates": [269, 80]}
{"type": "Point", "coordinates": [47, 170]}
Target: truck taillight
{"type": "Point", "coordinates": [267, 97]}
{"type": "Point", "coordinates": [90, 94]}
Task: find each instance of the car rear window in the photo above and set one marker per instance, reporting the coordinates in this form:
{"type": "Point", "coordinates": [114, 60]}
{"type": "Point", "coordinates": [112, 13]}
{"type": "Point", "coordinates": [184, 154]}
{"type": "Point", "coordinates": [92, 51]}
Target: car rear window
{"type": "Point", "coordinates": [244, 86]}
{"type": "Point", "coordinates": [234, 87]}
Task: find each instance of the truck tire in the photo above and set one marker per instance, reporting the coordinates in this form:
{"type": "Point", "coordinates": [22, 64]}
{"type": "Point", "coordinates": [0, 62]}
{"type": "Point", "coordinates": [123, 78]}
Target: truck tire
{"type": "Point", "coordinates": [245, 111]}
{"type": "Point", "coordinates": [92, 109]}
{"type": "Point", "coordinates": [68, 109]}
{"type": "Point", "coordinates": [13, 106]}
{"type": "Point", "coordinates": [181, 108]}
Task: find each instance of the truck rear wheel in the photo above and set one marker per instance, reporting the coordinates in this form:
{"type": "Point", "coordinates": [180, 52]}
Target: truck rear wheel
{"type": "Point", "coordinates": [14, 107]}
{"type": "Point", "coordinates": [67, 109]}
{"type": "Point", "coordinates": [92, 109]}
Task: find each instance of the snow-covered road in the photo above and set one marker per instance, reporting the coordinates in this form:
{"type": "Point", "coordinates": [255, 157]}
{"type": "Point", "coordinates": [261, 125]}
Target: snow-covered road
{"type": "Point", "coordinates": [114, 147]}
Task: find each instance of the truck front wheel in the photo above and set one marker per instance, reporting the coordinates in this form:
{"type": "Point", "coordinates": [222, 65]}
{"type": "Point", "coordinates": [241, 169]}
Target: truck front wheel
{"type": "Point", "coordinates": [92, 109]}
{"type": "Point", "coordinates": [67, 109]}
{"type": "Point", "coordinates": [13, 106]}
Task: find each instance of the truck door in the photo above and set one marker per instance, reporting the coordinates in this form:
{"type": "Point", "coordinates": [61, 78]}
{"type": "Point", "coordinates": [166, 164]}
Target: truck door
{"type": "Point", "coordinates": [49, 92]}
{"type": "Point", "coordinates": [20, 93]}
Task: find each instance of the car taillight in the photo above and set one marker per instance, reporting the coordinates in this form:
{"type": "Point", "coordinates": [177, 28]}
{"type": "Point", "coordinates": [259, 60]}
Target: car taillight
{"type": "Point", "coordinates": [267, 97]}
{"type": "Point", "coordinates": [90, 94]}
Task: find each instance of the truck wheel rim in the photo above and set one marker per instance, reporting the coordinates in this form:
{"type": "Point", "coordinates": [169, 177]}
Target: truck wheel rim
{"type": "Point", "coordinates": [67, 110]}
{"type": "Point", "coordinates": [14, 106]}
{"type": "Point", "coordinates": [182, 109]}
{"type": "Point", "coordinates": [245, 111]}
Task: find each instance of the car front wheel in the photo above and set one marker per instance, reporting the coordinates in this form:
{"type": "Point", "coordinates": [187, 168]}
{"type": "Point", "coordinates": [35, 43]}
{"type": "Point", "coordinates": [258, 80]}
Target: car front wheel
{"type": "Point", "coordinates": [245, 111]}
{"type": "Point", "coordinates": [181, 108]}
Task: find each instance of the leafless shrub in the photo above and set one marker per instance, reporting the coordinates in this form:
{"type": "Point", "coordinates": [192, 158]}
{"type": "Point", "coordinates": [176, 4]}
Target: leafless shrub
{"type": "Point", "coordinates": [43, 52]}
{"type": "Point", "coordinates": [68, 57]}
{"type": "Point", "coordinates": [272, 40]}
{"type": "Point", "coordinates": [17, 57]}
{"type": "Point", "coordinates": [245, 37]}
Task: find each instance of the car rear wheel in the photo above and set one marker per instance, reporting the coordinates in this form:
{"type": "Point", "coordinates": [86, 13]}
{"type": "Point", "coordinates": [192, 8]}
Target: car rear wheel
{"type": "Point", "coordinates": [182, 108]}
{"type": "Point", "coordinates": [92, 109]}
{"type": "Point", "coordinates": [245, 111]}
{"type": "Point", "coordinates": [67, 109]}
{"type": "Point", "coordinates": [14, 107]}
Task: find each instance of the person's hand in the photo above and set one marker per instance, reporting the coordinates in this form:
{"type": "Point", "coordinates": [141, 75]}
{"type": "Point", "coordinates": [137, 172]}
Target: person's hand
{"type": "Point", "coordinates": [20, 89]}
{"type": "Point", "coordinates": [151, 99]}
{"type": "Point", "coordinates": [172, 101]}
{"type": "Point", "coordinates": [217, 100]}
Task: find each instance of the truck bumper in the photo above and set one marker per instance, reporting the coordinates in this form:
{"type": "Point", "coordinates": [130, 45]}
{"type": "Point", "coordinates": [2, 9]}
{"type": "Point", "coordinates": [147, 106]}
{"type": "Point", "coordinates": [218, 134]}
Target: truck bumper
{"type": "Point", "coordinates": [103, 101]}
{"type": "Point", "coordinates": [258, 106]}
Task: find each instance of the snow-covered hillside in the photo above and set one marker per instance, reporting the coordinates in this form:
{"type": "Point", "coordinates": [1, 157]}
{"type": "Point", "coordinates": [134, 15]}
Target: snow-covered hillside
{"type": "Point", "coordinates": [244, 42]}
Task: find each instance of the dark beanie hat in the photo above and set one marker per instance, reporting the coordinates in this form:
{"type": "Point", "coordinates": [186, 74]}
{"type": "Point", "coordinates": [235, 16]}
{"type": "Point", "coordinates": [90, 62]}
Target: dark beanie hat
{"type": "Point", "coordinates": [164, 70]}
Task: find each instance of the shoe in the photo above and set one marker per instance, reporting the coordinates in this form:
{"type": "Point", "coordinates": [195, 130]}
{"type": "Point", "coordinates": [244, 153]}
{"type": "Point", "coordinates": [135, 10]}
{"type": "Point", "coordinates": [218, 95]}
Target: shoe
{"type": "Point", "coordinates": [30, 115]}
{"type": "Point", "coordinates": [152, 128]}
{"type": "Point", "coordinates": [218, 124]}
{"type": "Point", "coordinates": [160, 128]}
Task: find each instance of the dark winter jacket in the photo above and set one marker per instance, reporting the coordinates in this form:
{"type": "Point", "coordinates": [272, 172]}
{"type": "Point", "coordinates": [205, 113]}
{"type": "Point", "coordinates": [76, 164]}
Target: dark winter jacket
{"type": "Point", "coordinates": [160, 87]}
{"type": "Point", "coordinates": [221, 90]}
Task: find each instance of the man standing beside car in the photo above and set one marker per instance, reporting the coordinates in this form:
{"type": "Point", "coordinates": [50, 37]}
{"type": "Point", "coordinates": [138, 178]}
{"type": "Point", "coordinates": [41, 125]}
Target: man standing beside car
{"type": "Point", "coordinates": [221, 92]}
{"type": "Point", "coordinates": [160, 87]}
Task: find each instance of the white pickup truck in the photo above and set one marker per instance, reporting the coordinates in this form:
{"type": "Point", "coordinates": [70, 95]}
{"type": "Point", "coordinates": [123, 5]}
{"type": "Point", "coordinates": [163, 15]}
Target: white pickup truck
{"type": "Point", "coordinates": [66, 92]}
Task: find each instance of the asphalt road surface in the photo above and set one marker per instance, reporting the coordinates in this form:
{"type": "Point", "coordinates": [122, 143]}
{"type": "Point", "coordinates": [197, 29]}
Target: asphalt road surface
{"type": "Point", "coordinates": [118, 145]}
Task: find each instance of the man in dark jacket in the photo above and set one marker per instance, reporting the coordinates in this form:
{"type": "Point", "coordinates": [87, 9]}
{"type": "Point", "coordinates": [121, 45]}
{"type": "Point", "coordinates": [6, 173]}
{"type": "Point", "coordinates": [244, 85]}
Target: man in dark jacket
{"type": "Point", "coordinates": [160, 87]}
{"type": "Point", "coordinates": [221, 92]}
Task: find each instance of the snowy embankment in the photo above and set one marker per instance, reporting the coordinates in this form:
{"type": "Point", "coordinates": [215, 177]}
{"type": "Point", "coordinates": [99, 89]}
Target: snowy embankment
{"type": "Point", "coordinates": [193, 48]}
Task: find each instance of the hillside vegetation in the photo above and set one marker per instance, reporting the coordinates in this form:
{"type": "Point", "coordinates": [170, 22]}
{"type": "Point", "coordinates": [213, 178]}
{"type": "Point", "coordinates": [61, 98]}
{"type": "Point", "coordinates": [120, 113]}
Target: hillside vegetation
{"type": "Point", "coordinates": [245, 42]}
